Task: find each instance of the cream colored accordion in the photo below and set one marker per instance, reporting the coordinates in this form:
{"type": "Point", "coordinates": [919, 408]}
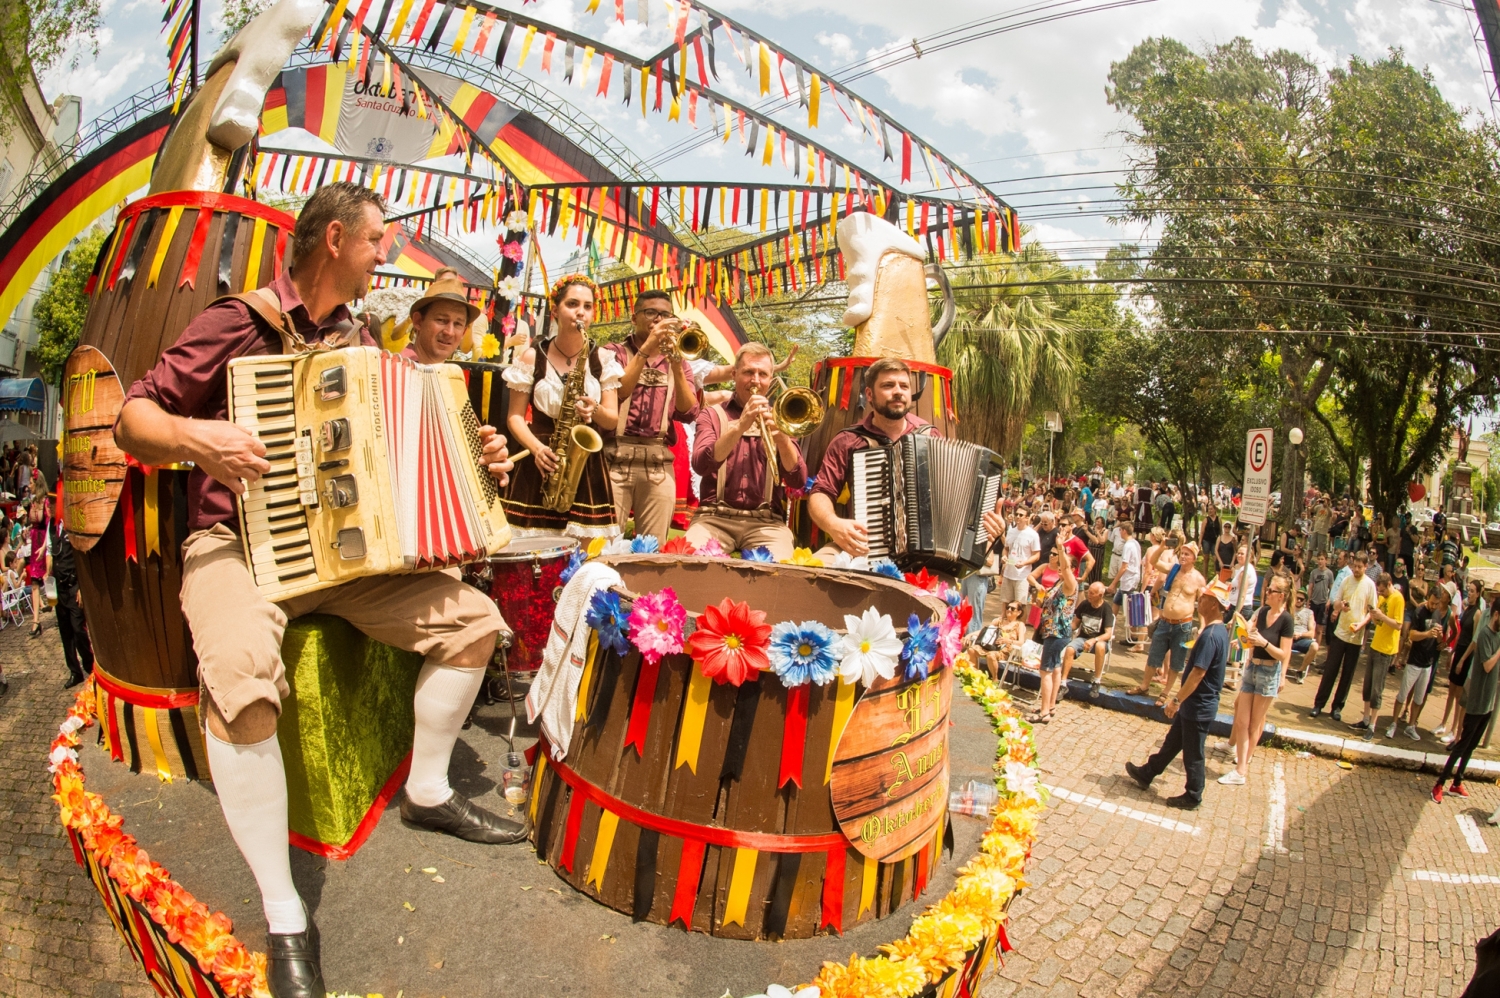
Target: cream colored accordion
{"type": "Point", "coordinates": [375, 469]}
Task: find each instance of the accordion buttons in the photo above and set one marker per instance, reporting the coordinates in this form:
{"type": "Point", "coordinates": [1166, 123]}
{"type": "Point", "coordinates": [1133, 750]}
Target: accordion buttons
{"type": "Point", "coordinates": [351, 543]}
{"type": "Point", "coordinates": [342, 491]}
{"type": "Point", "coordinates": [331, 383]}
{"type": "Point", "coordinates": [336, 435]}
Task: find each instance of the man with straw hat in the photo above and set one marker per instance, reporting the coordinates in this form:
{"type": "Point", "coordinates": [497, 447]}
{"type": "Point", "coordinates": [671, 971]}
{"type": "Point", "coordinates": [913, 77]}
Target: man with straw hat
{"type": "Point", "coordinates": [440, 318]}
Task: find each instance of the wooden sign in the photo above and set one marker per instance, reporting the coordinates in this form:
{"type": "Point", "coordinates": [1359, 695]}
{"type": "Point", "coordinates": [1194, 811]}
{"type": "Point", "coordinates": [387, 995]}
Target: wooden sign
{"type": "Point", "coordinates": [890, 770]}
{"type": "Point", "coordinates": [93, 470]}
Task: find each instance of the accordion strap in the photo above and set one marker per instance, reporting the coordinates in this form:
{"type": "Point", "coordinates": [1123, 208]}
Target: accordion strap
{"type": "Point", "coordinates": [264, 303]}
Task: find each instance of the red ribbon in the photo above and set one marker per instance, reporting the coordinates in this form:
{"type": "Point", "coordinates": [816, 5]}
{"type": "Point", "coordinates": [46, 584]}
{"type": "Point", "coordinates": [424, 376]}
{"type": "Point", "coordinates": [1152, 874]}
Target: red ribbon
{"type": "Point", "coordinates": [127, 516]}
{"type": "Point", "coordinates": [195, 249]}
{"type": "Point", "coordinates": [212, 200]}
{"type": "Point", "coordinates": [793, 736]}
{"type": "Point", "coordinates": [77, 849]}
{"type": "Point", "coordinates": [115, 751]}
{"type": "Point", "coordinates": [708, 834]}
{"type": "Point", "coordinates": [833, 891]}
{"type": "Point", "coordinates": [689, 873]}
{"type": "Point", "coordinates": [148, 951]}
{"type": "Point", "coordinates": [640, 709]}
{"type": "Point", "coordinates": [122, 250]}
{"type": "Point", "coordinates": [919, 885]}
{"type": "Point", "coordinates": [570, 833]}
{"type": "Point", "coordinates": [143, 698]}
{"type": "Point", "coordinates": [1005, 946]}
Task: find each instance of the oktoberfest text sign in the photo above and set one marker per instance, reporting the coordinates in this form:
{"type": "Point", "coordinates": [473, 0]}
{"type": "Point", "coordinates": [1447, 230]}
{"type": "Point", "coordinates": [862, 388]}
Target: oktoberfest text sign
{"type": "Point", "coordinates": [93, 469]}
{"type": "Point", "coordinates": [890, 770]}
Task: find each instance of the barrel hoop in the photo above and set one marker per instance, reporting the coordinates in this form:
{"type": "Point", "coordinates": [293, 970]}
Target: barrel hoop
{"type": "Point", "coordinates": [728, 837]}
{"type": "Point", "coordinates": [212, 200]}
{"type": "Point", "coordinates": [144, 696]}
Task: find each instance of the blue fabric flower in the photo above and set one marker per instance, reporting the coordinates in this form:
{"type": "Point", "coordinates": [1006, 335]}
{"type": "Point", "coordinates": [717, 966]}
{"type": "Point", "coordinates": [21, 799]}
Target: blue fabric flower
{"type": "Point", "coordinates": [645, 544]}
{"type": "Point", "coordinates": [920, 647]}
{"type": "Point", "coordinates": [888, 568]}
{"type": "Point", "coordinates": [760, 553]}
{"type": "Point", "coordinates": [803, 653]}
{"type": "Point", "coordinates": [609, 620]}
{"type": "Point", "coordinates": [953, 597]}
{"type": "Point", "coordinates": [575, 562]}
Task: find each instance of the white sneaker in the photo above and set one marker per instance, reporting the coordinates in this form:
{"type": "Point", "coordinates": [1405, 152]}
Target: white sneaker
{"type": "Point", "coordinates": [1232, 779]}
{"type": "Point", "coordinates": [1411, 732]}
{"type": "Point", "coordinates": [1439, 731]}
{"type": "Point", "coordinates": [1390, 731]}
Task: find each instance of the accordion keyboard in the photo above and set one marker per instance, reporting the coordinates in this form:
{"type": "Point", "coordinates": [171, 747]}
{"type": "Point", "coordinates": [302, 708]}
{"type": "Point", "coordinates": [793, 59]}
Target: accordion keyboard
{"type": "Point", "coordinates": [277, 535]}
{"type": "Point", "coordinates": [870, 500]}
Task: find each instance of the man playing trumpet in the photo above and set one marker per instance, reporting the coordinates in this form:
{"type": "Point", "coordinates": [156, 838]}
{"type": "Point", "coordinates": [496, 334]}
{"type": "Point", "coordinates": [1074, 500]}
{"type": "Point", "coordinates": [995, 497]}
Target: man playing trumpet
{"type": "Point", "coordinates": [744, 491]}
{"type": "Point", "coordinates": [659, 390]}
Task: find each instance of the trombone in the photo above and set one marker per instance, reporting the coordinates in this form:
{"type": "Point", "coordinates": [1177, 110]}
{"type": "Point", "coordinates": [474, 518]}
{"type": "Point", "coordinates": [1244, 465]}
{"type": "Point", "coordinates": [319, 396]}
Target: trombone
{"type": "Point", "coordinates": [797, 412]}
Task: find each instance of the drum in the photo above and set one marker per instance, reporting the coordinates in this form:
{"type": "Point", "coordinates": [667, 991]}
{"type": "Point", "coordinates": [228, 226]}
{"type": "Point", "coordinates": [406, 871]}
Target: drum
{"type": "Point", "coordinates": [170, 256]}
{"type": "Point", "coordinates": [525, 582]}
{"type": "Point", "coordinates": [747, 811]}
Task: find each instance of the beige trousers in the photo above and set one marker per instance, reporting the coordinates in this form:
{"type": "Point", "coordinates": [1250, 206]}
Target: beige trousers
{"type": "Point", "coordinates": [237, 632]}
{"type": "Point", "coordinates": [644, 481]}
{"type": "Point", "coordinates": [736, 533]}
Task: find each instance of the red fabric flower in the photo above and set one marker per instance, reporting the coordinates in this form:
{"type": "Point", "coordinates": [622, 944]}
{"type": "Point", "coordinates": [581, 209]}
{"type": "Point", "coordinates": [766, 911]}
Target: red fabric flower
{"type": "Point", "coordinates": [678, 545]}
{"type": "Point", "coordinates": [924, 581]}
{"type": "Point", "coordinates": [731, 643]}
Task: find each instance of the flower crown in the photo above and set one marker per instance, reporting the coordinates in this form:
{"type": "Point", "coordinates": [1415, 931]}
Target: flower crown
{"type": "Point", "coordinates": [562, 283]}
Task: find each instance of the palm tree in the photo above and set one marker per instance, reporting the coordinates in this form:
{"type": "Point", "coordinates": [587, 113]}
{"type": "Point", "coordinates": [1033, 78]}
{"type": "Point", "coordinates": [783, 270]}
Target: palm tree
{"type": "Point", "coordinates": [1011, 345]}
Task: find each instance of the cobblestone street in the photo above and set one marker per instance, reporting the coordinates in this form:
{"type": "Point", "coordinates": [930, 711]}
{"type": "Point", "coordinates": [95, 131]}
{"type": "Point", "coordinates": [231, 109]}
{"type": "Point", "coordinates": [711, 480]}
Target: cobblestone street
{"type": "Point", "coordinates": [1310, 880]}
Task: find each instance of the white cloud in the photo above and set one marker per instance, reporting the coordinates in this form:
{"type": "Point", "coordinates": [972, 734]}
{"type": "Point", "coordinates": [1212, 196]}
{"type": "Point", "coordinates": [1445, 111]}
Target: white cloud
{"type": "Point", "coordinates": [99, 81]}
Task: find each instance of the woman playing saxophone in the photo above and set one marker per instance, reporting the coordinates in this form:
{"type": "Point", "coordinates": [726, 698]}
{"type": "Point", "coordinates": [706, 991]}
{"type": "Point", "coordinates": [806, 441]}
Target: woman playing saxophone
{"type": "Point", "coordinates": [544, 378]}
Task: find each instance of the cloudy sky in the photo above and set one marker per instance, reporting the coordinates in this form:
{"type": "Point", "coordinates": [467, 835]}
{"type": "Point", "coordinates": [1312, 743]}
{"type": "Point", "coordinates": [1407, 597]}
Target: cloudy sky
{"type": "Point", "coordinates": [1011, 100]}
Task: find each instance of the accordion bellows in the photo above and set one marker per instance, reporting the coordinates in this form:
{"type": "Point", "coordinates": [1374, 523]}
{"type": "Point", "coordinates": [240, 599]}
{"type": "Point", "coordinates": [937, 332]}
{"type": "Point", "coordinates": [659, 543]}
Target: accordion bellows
{"type": "Point", "coordinates": [922, 501]}
{"type": "Point", "coordinates": [375, 469]}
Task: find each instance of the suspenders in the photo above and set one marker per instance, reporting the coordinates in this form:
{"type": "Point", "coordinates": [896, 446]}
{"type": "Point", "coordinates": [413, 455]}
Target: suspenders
{"type": "Point", "coordinates": [720, 418]}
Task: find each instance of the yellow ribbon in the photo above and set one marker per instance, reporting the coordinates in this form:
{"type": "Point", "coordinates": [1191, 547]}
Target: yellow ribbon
{"type": "Point", "coordinates": [690, 737]}
{"type": "Point", "coordinates": [526, 45]}
{"type": "Point", "coordinates": [867, 886]}
{"type": "Point", "coordinates": [152, 514]}
{"type": "Point", "coordinates": [842, 708]}
{"type": "Point", "coordinates": [153, 736]}
{"type": "Point", "coordinates": [588, 672]}
{"type": "Point", "coordinates": [603, 842]}
{"type": "Point", "coordinates": [165, 243]}
{"type": "Point", "coordinates": [252, 265]}
{"type": "Point", "coordinates": [740, 882]}
{"type": "Point", "coordinates": [812, 101]}
{"type": "Point", "coordinates": [536, 781]}
{"type": "Point", "coordinates": [463, 29]}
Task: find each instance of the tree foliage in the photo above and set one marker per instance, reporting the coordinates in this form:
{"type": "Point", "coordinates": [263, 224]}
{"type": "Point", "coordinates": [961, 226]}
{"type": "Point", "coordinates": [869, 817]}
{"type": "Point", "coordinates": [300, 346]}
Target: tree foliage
{"type": "Point", "coordinates": [34, 37]}
{"type": "Point", "coordinates": [61, 309]}
{"type": "Point", "coordinates": [1337, 225]}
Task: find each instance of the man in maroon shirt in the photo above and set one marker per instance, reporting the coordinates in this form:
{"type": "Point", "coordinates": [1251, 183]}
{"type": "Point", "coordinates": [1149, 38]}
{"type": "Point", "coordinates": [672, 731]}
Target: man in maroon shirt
{"type": "Point", "coordinates": [742, 506]}
{"type": "Point", "coordinates": [177, 413]}
{"type": "Point", "coordinates": [660, 390]}
{"type": "Point", "coordinates": [439, 319]}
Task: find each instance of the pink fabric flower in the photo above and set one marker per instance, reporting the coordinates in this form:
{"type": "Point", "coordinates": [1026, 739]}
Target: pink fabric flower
{"type": "Point", "coordinates": [950, 637]}
{"type": "Point", "coordinates": [711, 548]}
{"type": "Point", "coordinates": [656, 624]}
{"type": "Point", "coordinates": [513, 251]}
{"type": "Point", "coordinates": [508, 325]}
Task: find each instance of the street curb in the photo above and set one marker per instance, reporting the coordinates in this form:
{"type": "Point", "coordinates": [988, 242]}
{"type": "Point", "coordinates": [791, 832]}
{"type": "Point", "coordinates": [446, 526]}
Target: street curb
{"type": "Point", "coordinates": [1356, 751]}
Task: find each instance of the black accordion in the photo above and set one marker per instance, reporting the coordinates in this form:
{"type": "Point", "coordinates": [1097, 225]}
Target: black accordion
{"type": "Point", "coordinates": [922, 500]}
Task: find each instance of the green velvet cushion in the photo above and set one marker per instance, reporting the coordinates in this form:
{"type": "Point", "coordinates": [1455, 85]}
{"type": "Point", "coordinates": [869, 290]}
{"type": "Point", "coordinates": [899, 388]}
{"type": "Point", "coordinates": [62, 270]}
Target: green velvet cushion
{"type": "Point", "coordinates": [346, 726]}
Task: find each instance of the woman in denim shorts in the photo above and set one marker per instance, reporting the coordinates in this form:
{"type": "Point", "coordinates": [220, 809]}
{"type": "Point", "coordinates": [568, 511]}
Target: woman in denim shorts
{"type": "Point", "coordinates": [1056, 628]}
{"type": "Point", "coordinates": [1270, 644]}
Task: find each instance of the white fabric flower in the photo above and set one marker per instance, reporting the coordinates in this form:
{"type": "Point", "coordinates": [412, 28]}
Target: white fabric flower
{"type": "Point", "coordinates": [71, 725]}
{"type": "Point", "coordinates": [870, 647]}
{"type": "Point", "coordinates": [620, 545]}
{"type": "Point", "coordinates": [843, 560]}
{"type": "Point", "coordinates": [59, 754]}
{"type": "Point", "coordinates": [1021, 779]}
{"type": "Point", "coordinates": [510, 287]}
{"type": "Point", "coordinates": [516, 221]}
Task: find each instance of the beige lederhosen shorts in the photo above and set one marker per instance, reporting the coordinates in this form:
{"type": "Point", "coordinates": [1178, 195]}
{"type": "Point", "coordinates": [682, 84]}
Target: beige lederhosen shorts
{"type": "Point", "coordinates": [736, 533]}
{"type": "Point", "coordinates": [237, 632]}
{"type": "Point", "coordinates": [643, 478]}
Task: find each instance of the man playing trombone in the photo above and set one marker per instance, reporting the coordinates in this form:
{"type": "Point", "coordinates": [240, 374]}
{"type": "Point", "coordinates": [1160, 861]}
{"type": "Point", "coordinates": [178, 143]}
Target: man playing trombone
{"type": "Point", "coordinates": [659, 388]}
{"type": "Point", "coordinates": [747, 464]}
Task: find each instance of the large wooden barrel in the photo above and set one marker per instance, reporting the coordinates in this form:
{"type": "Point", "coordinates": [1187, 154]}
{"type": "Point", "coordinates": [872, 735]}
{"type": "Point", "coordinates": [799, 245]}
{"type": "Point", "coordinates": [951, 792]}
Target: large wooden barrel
{"type": "Point", "coordinates": [712, 839]}
{"type": "Point", "coordinates": [170, 255]}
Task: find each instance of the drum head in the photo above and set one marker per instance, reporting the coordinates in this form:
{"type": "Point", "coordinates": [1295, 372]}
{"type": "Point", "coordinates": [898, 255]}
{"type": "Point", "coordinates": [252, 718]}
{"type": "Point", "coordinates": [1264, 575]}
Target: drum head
{"type": "Point", "coordinates": [538, 548]}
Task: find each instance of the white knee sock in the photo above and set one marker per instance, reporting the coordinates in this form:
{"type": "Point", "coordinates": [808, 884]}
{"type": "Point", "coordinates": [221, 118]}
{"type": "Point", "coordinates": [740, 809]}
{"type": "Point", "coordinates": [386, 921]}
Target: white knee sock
{"type": "Point", "coordinates": [251, 783]}
{"type": "Point", "coordinates": [444, 695]}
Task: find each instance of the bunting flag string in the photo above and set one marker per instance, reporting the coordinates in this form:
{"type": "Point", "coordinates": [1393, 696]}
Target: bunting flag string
{"type": "Point", "coordinates": [180, 24]}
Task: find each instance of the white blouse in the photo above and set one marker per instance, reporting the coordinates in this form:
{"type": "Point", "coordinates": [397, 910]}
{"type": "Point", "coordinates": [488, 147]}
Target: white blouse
{"type": "Point", "coordinates": [548, 395]}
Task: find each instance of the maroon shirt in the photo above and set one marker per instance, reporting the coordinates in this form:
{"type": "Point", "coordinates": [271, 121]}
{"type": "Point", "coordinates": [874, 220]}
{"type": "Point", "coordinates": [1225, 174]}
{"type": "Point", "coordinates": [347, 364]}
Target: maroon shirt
{"type": "Point", "coordinates": [834, 472]}
{"type": "Point", "coordinates": [643, 418]}
{"type": "Point", "coordinates": [192, 377]}
{"type": "Point", "coordinates": [745, 482]}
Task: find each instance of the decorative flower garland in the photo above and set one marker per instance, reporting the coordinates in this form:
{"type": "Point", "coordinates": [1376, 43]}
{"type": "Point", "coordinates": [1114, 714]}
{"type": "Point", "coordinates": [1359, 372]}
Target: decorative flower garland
{"type": "Point", "coordinates": [208, 937]}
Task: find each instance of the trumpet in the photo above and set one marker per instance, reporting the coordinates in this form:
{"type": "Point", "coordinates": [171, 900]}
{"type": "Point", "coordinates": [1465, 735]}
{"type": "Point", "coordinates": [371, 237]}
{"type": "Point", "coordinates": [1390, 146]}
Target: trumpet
{"type": "Point", "coordinates": [689, 343]}
{"type": "Point", "coordinates": [796, 412]}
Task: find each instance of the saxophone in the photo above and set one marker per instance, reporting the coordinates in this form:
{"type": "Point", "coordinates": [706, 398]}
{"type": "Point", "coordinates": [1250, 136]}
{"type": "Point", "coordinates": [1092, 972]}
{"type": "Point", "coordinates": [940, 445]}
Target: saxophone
{"type": "Point", "coordinates": [571, 441]}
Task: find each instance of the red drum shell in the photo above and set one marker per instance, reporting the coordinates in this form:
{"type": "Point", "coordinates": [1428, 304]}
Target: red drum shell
{"type": "Point", "coordinates": [526, 579]}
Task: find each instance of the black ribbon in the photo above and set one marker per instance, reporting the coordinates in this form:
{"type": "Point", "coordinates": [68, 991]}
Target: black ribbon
{"type": "Point", "coordinates": [226, 250]}
{"type": "Point", "coordinates": [603, 692]}
{"type": "Point", "coordinates": [385, 12]}
{"type": "Point", "coordinates": [510, 28]}
{"type": "Point", "coordinates": [442, 23]}
{"type": "Point", "coordinates": [645, 875]}
{"type": "Point", "coordinates": [184, 746]}
{"type": "Point", "coordinates": [897, 884]}
{"type": "Point", "coordinates": [948, 838]}
{"type": "Point", "coordinates": [745, 703]}
{"type": "Point", "coordinates": [787, 865]}
{"type": "Point", "coordinates": [138, 244]}
{"type": "Point", "coordinates": [544, 825]}
{"type": "Point", "coordinates": [128, 713]}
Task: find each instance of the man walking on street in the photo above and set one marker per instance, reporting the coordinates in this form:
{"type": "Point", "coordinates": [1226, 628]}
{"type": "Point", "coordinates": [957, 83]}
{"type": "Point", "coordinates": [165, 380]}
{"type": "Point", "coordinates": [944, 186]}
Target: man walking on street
{"type": "Point", "coordinates": [1352, 603]}
{"type": "Point", "coordinates": [1192, 715]}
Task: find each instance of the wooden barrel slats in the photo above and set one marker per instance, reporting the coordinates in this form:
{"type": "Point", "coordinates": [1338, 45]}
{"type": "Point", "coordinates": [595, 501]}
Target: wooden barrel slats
{"type": "Point", "coordinates": [742, 725]}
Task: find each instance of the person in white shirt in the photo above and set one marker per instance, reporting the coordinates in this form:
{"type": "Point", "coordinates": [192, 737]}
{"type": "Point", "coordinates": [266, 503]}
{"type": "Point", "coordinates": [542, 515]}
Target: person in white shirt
{"type": "Point", "coordinates": [1242, 582]}
{"type": "Point", "coordinates": [1127, 572]}
{"type": "Point", "coordinates": [1351, 606]}
{"type": "Point", "coordinates": [1022, 551]}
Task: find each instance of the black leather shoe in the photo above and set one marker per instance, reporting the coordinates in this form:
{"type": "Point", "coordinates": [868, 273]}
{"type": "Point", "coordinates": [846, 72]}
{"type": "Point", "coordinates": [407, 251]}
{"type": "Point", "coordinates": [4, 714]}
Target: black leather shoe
{"type": "Point", "coordinates": [1139, 775]}
{"type": "Point", "coordinates": [462, 817]}
{"type": "Point", "coordinates": [1182, 802]}
{"type": "Point", "coordinates": [293, 969]}
{"type": "Point", "coordinates": [72, 682]}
